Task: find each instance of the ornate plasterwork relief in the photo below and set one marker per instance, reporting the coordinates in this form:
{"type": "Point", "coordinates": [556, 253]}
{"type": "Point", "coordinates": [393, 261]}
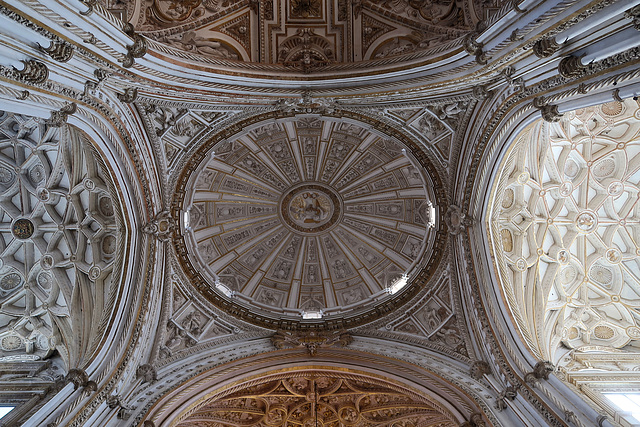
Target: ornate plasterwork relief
{"type": "Point", "coordinates": [307, 36]}
{"type": "Point", "coordinates": [60, 241]}
{"type": "Point", "coordinates": [564, 229]}
{"type": "Point", "coordinates": [323, 398]}
{"type": "Point", "coordinates": [309, 214]}
{"type": "Point", "coordinates": [188, 324]}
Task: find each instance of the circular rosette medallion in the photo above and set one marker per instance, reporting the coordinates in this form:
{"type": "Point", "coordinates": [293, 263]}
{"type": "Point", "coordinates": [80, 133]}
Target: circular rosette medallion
{"type": "Point", "coordinates": [22, 228]}
{"type": "Point", "coordinates": [310, 208]}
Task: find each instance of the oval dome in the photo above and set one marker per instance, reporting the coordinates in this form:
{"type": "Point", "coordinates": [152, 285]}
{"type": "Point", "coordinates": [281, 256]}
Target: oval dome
{"type": "Point", "coordinates": [307, 218]}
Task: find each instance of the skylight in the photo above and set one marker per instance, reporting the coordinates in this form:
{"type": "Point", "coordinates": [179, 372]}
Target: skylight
{"type": "Point", "coordinates": [4, 410]}
{"type": "Point", "coordinates": [628, 404]}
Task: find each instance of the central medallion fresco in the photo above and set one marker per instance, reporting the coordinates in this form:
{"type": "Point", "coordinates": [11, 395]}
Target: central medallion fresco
{"type": "Point", "coordinates": [310, 208]}
{"type": "Point", "coordinates": [307, 215]}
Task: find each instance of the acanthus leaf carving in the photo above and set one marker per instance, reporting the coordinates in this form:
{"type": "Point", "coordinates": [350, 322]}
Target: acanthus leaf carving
{"type": "Point", "coordinates": [540, 371]}
{"type": "Point", "coordinates": [147, 372]}
{"type": "Point", "coordinates": [59, 50]}
{"type": "Point", "coordinates": [33, 72]}
{"type": "Point", "coordinates": [311, 340]}
{"type": "Point", "coordinates": [59, 117]}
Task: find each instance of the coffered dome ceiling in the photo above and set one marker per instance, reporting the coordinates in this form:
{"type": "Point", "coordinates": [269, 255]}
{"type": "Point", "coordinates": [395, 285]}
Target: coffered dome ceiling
{"type": "Point", "coordinates": [304, 216]}
{"type": "Point", "coordinates": [307, 36]}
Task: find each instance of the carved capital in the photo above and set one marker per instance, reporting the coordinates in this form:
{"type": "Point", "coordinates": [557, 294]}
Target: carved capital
{"type": "Point", "coordinates": [59, 117]}
{"type": "Point", "coordinates": [147, 372]}
{"type": "Point", "coordinates": [509, 393]}
{"type": "Point", "coordinates": [481, 92]}
{"type": "Point", "coordinates": [546, 47]}
{"type": "Point", "coordinates": [571, 67]}
{"type": "Point", "coordinates": [311, 340]}
{"type": "Point", "coordinates": [471, 45]}
{"type": "Point", "coordinates": [478, 369]}
{"type": "Point", "coordinates": [33, 72]}
{"type": "Point", "coordinates": [540, 372]}
{"type": "Point", "coordinates": [80, 378]}
{"type": "Point", "coordinates": [59, 51]}
{"type": "Point", "coordinates": [116, 402]}
{"type": "Point", "coordinates": [130, 94]}
{"type": "Point", "coordinates": [549, 112]}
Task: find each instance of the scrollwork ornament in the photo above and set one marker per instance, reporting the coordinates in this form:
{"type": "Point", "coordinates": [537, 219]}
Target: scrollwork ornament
{"type": "Point", "coordinates": [90, 4]}
{"type": "Point", "coordinates": [634, 14]}
{"type": "Point", "coordinates": [130, 94]}
{"type": "Point", "coordinates": [135, 50]}
{"type": "Point", "coordinates": [23, 95]}
{"type": "Point", "coordinates": [311, 340]}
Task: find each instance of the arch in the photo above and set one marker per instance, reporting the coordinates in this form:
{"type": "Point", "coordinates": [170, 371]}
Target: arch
{"type": "Point", "coordinates": [421, 387]}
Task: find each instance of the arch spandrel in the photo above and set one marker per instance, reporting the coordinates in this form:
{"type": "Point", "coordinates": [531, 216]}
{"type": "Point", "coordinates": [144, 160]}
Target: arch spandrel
{"type": "Point", "coordinates": [564, 226]}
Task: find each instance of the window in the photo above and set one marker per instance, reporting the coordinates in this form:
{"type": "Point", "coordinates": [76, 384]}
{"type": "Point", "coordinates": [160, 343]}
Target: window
{"type": "Point", "coordinates": [628, 405]}
{"type": "Point", "coordinates": [4, 410]}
